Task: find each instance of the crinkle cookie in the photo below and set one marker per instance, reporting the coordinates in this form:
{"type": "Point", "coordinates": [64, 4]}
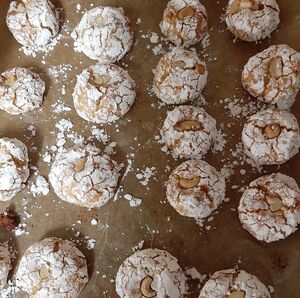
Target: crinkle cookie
{"type": "Point", "coordinates": [234, 283]}
{"type": "Point", "coordinates": [21, 90]}
{"type": "Point", "coordinates": [195, 189]}
{"type": "Point", "coordinates": [103, 93]}
{"type": "Point", "coordinates": [33, 22]}
{"type": "Point", "coordinates": [52, 268]}
{"type": "Point", "coordinates": [184, 22]}
{"type": "Point", "coordinates": [252, 20]}
{"type": "Point", "coordinates": [150, 273]}
{"type": "Point", "coordinates": [14, 170]}
{"type": "Point", "coordinates": [5, 264]}
{"type": "Point", "coordinates": [273, 76]}
{"type": "Point", "coordinates": [271, 137]}
{"type": "Point", "coordinates": [179, 77]}
{"type": "Point", "coordinates": [188, 131]}
{"type": "Point", "coordinates": [103, 34]}
{"type": "Point", "coordinates": [270, 208]}
{"type": "Point", "coordinates": [84, 176]}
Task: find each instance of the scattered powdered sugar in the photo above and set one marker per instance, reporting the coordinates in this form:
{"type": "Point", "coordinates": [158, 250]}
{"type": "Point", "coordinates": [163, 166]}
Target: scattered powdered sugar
{"type": "Point", "coordinates": [133, 202]}
{"type": "Point", "coordinates": [194, 274]}
{"type": "Point", "coordinates": [40, 187]}
{"type": "Point", "coordinates": [146, 174]}
{"type": "Point", "coordinates": [59, 73]}
{"type": "Point", "coordinates": [60, 106]}
{"type": "Point", "coordinates": [240, 108]}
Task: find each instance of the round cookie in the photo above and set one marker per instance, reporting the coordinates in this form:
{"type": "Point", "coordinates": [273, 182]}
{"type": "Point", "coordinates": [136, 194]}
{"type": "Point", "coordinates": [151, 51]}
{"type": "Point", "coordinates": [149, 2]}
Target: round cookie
{"type": "Point", "coordinates": [14, 170]}
{"type": "Point", "coordinates": [5, 264]}
{"type": "Point", "coordinates": [271, 137]}
{"type": "Point", "coordinates": [273, 76]}
{"type": "Point", "coordinates": [52, 267]}
{"type": "Point", "coordinates": [184, 22]}
{"type": "Point", "coordinates": [188, 132]}
{"type": "Point", "coordinates": [32, 22]}
{"type": "Point", "coordinates": [234, 283]}
{"type": "Point", "coordinates": [103, 34]}
{"type": "Point", "coordinates": [195, 189]}
{"type": "Point", "coordinates": [270, 208]}
{"type": "Point", "coordinates": [103, 93]}
{"type": "Point", "coordinates": [179, 77]}
{"type": "Point", "coordinates": [150, 273]}
{"type": "Point", "coordinates": [21, 90]}
{"type": "Point", "coordinates": [84, 176]}
{"type": "Point", "coordinates": [252, 20]}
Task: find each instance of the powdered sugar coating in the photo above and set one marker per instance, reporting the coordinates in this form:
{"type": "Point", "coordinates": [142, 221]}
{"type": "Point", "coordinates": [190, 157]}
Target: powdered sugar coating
{"type": "Point", "coordinates": [179, 77]}
{"type": "Point", "coordinates": [103, 93]}
{"type": "Point", "coordinates": [255, 23]}
{"type": "Point", "coordinates": [276, 148]}
{"type": "Point", "coordinates": [232, 281]}
{"type": "Point", "coordinates": [278, 90]}
{"type": "Point", "coordinates": [84, 176]}
{"type": "Point", "coordinates": [189, 143]}
{"type": "Point", "coordinates": [184, 22]}
{"type": "Point", "coordinates": [168, 278]}
{"type": "Point", "coordinates": [5, 264]}
{"type": "Point", "coordinates": [32, 22]}
{"type": "Point", "coordinates": [21, 90]}
{"type": "Point", "coordinates": [52, 267]}
{"type": "Point", "coordinates": [197, 199]}
{"type": "Point", "coordinates": [103, 34]}
{"type": "Point", "coordinates": [14, 170]}
{"type": "Point", "coordinates": [261, 217]}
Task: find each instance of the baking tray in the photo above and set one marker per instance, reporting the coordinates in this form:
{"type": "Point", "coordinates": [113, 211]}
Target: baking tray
{"type": "Point", "coordinates": [221, 243]}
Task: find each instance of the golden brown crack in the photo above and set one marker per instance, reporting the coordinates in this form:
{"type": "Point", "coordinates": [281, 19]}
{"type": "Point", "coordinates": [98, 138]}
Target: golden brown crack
{"type": "Point", "coordinates": [272, 131]}
{"type": "Point", "coordinates": [188, 125]}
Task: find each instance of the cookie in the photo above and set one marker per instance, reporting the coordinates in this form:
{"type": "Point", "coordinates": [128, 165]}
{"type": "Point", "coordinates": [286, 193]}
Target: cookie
{"type": "Point", "coordinates": [252, 20]}
{"type": "Point", "coordinates": [188, 132]}
{"type": "Point", "coordinates": [234, 283]}
{"type": "Point", "coordinates": [271, 137]}
{"type": "Point", "coordinates": [32, 22]}
{"type": "Point", "coordinates": [5, 264]}
{"type": "Point", "coordinates": [52, 267]}
{"type": "Point", "coordinates": [273, 76]}
{"type": "Point", "coordinates": [103, 93]}
{"type": "Point", "coordinates": [270, 208]}
{"type": "Point", "coordinates": [103, 34]}
{"type": "Point", "coordinates": [14, 170]}
{"type": "Point", "coordinates": [195, 189]}
{"type": "Point", "coordinates": [184, 22]}
{"type": "Point", "coordinates": [179, 77]}
{"type": "Point", "coordinates": [21, 90]}
{"type": "Point", "coordinates": [84, 176]}
{"type": "Point", "coordinates": [150, 273]}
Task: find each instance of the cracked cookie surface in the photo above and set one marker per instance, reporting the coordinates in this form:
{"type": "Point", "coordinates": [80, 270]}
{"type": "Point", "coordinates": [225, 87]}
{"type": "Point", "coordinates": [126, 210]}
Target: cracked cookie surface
{"type": "Point", "coordinates": [179, 77]}
{"type": "Point", "coordinates": [14, 170]}
{"type": "Point", "coordinates": [21, 90]}
{"type": "Point", "coordinates": [103, 93]}
{"type": "Point", "coordinates": [53, 268]}
{"type": "Point", "coordinates": [273, 76]}
{"type": "Point", "coordinates": [151, 273]}
{"type": "Point", "coordinates": [252, 20]}
{"type": "Point", "coordinates": [195, 189]}
{"type": "Point", "coordinates": [234, 283]}
{"type": "Point", "coordinates": [271, 137]}
{"type": "Point", "coordinates": [184, 22]}
{"type": "Point", "coordinates": [84, 176]}
{"type": "Point", "coordinates": [270, 208]}
{"type": "Point", "coordinates": [188, 132]}
{"type": "Point", "coordinates": [32, 22]}
{"type": "Point", "coordinates": [103, 34]}
{"type": "Point", "coordinates": [5, 264]}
